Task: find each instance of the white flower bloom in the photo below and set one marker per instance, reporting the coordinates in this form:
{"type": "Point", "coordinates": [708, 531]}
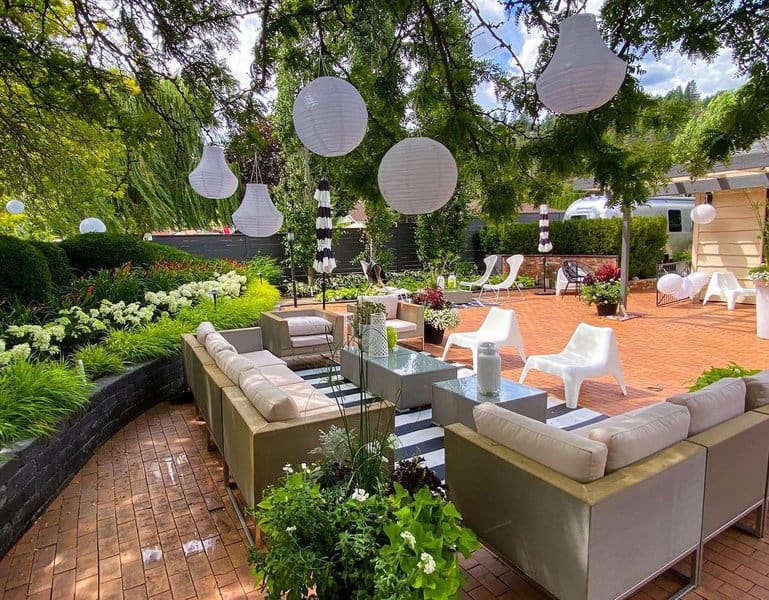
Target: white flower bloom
{"type": "Point", "coordinates": [288, 470]}
{"type": "Point", "coordinates": [359, 494]}
{"type": "Point", "coordinates": [426, 563]}
{"type": "Point", "coordinates": [409, 537]}
{"type": "Point", "coordinates": [291, 529]}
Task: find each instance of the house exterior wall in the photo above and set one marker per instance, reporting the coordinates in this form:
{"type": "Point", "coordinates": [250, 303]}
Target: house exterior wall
{"type": "Point", "coordinates": [732, 242]}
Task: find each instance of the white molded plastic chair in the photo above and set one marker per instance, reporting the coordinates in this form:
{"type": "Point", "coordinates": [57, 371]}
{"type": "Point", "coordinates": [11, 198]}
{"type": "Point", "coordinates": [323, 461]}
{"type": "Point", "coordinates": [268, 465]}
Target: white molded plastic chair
{"type": "Point", "coordinates": [591, 352]}
{"type": "Point", "coordinates": [490, 261]}
{"type": "Point", "coordinates": [500, 327]}
{"type": "Point", "coordinates": [724, 285]}
{"type": "Point", "coordinates": [514, 262]}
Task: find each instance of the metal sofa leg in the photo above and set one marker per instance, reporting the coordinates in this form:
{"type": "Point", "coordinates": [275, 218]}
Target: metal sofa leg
{"type": "Point", "coordinates": [236, 505]}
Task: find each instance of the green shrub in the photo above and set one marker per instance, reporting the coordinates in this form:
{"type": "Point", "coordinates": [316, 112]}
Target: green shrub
{"type": "Point", "coordinates": [162, 338]}
{"type": "Point", "coordinates": [268, 267]}
{"type": "Point", "coordinates": [94, 251]}
{"type": "Point", "coordinates": [161, 252]}
{"type": "Point", "coordinates": [233, 313]}
{"type": "Point", "coordinates": [34, 397]}
{"type": "Point", "coordinates": [24, 273]}
{"type": "Point", "coordinates": [99, 361]}
{"type": "Point", "coordinates": [713, 374]}
{"type": "Point", "coordinates": [58, 263]}
{"type": "Point", "coordinates": [648, 236]}
{"type": "Point", "coordinates": [124, 284]}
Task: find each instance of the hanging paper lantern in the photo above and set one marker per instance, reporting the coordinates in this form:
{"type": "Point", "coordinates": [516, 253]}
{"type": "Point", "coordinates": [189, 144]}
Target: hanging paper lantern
{"type": "Point", "coordinates": [417, 175]}
{"type": "Point", "coordinates": [92, 225]}
{"type": "Point", "coordinates": [212, 177]}
{"type": "Point", "coordinates": [257, 216]}
{"type": "Point", "coordinates": [330, 116]}
{"type": "Point", "coordinates": [583, 73]}
{"type": "Point", "coordinates": [687, 287]}
{"type": "Point", "coordinates": [699, 280]}
{"type": "Point", "coordinates": [670, 284]}
{"type": "Point", "coordinates": [15, 207]}
{"type": "Point", "coordinates": [702, 214]}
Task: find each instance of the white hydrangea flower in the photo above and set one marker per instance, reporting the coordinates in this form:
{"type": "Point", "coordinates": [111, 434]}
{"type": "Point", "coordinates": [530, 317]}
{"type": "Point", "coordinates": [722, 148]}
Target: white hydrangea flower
{"type": "Point", "coordinates": [426, 563]}
{"type": "Point", "coordinates": [287, 469]}
{"type": "Point", "coordinates": [359, 494]}
{"type": "Point", "coordinates": [290, 529]}
{"type": "Point", "coordinates": [409, 538]}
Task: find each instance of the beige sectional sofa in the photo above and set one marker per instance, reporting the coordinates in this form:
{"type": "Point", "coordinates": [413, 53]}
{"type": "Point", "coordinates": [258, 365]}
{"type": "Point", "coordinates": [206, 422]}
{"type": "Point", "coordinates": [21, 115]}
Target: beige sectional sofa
{"type": "Point", "coordinates": [595, 513]}
{"type": "Point", "coordinates": [260, 414]}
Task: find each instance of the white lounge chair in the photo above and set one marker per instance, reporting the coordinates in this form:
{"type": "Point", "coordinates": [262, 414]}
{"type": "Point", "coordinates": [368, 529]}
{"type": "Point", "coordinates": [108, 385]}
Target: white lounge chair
{"type": "Point", "coordinates": [490, 261]}
{"type": "Point", "coordinates": [591, 352]}
{"type": "Point", "coordinates": [500, 327]}
{"type": "Point", "coordinates": [514, 262]}
{"type": "Point", "coordinates": [724, 285]}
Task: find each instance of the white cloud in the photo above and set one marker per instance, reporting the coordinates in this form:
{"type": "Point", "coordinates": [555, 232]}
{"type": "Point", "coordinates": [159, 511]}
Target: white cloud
{"type": "Point", "coordinates": [673, 69]}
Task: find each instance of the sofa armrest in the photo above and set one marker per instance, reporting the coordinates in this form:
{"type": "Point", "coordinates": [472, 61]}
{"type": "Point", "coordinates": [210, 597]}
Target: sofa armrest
{"type": "Point", "coordinates": [245, 340]}
{"type": "Point", "coordinates": [414, 313]}
{"type": "Point", "coordinates": [275, 332]}
{"type": "Point", "coordinates": [537, 519]}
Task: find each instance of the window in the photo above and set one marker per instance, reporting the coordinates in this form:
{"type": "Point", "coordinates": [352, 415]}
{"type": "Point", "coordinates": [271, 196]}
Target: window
{"type": "Point", "coordinates": [674, 221]}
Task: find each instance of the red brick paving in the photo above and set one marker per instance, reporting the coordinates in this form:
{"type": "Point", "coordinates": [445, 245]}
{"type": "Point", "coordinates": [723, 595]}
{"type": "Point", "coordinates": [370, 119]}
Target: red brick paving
{"type": "Point", "coordinates": [148, 516]}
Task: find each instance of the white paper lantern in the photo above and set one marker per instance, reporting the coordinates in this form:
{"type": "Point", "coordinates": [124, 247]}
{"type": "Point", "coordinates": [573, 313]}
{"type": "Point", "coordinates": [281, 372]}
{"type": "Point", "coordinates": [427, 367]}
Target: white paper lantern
{"type": "Point", "coordinates": [670, 284]}
{"type": "Point", "coordinates": [702, 214]}
{"type": "Point", "coordinates": [92, 225]}
{"type": "Point", "coordinates": [212, 177]}
{"type": "Point", "coordinates": [687, 287]}
{"type": "Point", "coordinates": [330, 116]}
{"type": "Point", "coordinates": [257, 216]}
{"type": "Point", "coordinates": [583, 73]}
{"type": "Point", "coordinates": [15, 207]}
{"type": "Point", "coordinates": [417, 175]}
{"type": "Point", "coordinates": [699, 280]}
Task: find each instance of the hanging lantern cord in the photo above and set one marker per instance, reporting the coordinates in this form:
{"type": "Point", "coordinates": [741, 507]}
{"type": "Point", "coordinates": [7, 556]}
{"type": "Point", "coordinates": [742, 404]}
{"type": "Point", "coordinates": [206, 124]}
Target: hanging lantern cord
{"type": "Point", "coordinates": [256, 176]}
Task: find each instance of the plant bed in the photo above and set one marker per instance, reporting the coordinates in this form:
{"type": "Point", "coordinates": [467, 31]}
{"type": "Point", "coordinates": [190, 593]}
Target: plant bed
{"type": "Point", "coordinates": [34, 472]}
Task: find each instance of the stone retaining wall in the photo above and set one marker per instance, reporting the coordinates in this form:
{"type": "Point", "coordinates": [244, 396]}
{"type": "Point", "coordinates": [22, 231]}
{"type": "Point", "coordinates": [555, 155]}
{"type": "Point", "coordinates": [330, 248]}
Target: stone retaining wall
{"type": "Point", "coordinates": [33, 472]}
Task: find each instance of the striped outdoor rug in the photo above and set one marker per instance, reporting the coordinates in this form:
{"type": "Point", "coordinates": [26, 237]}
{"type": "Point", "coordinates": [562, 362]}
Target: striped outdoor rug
{"type": "Point", "coordinates": [417, 434]}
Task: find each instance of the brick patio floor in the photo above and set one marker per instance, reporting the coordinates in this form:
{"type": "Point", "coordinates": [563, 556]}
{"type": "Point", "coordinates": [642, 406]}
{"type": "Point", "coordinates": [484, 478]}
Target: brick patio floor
{"type": "Point", "coordinates": [148, 517]}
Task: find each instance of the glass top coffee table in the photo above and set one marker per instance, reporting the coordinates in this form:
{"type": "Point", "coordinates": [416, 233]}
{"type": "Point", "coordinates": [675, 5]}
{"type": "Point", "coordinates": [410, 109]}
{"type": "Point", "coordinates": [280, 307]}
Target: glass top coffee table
{"type": "Point", "coordinates": [403, 377]}
{"type": "Point", "coordinates": [453, 401]}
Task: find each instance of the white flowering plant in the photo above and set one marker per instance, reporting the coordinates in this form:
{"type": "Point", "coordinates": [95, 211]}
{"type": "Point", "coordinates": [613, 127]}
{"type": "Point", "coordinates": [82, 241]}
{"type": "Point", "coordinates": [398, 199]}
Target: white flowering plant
{"type": "Point", "coordinates": [760, 274]}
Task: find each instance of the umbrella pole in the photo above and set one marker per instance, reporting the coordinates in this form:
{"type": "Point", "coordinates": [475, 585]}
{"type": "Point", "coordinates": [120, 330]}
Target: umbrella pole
{"type": "Point", "coordinates": [544, 273]}
{"type": "Point", "coordinates": [323, 289]}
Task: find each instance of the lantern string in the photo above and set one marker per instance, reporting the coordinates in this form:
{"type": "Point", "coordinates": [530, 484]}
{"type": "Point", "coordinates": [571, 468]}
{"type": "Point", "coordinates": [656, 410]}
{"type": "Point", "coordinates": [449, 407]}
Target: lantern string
{"type": "Point", "coordinates": [255, 169]}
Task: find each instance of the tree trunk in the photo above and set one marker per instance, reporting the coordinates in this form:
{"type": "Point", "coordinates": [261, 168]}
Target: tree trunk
{"type": "Point", "coordinates": [625, 256]}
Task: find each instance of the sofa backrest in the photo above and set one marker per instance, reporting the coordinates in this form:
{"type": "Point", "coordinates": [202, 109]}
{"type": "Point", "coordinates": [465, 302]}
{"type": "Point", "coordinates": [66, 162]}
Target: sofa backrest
{"type": "Point", "coordinates": [203, 330]}
{"type": "Point", "coordinates": [572, 455]}
{"type": "Point", "coordinates": [756, 390]}
{"type": "Point", "coordinates": [390, 302]}
{"type": "Point", "coordinates": [272, 402]}
{"type": "Point", "coordinates": [714, 404]}
{"type": "Point", "coordinates": [215, 343]}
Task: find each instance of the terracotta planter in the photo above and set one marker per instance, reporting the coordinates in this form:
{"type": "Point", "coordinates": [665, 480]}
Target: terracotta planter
{"type": "Point", "coordinates": [606, 310]}
{"type": "Point", "coordinates": [433, 335]}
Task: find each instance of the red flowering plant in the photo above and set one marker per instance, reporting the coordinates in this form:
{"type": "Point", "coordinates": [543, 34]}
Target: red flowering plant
{"type": "Point", "coordinates": [431, 297]}
{"type": "Point", "coordinates": [439, 312]}
{"type": "Point", "coordinates": [603, 287]}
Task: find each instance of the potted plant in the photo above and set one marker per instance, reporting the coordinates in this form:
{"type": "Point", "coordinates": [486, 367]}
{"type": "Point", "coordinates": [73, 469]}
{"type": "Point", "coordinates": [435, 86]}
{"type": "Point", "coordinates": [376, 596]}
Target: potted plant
{"type": "Point", "coordinates": [439, 313]}
{"type": "Point", "coordinates": [603, 289]}
{"type": "Point", "coordinates": [760, 277]}
{"type": "Point", "coordinates": [362, 320]}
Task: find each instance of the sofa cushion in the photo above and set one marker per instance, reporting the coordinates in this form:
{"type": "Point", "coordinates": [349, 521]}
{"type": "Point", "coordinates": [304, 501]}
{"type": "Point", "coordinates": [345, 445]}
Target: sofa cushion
{"type": "Point", "coordinates": [574, 456]}
{"type": "Point", "coordinates": [203, 330]}
{"type": "Point", "coordinates": [307, 398]}
{"type": "Point", "coordinates": [263, 358]}
{"type": "Point", "coordinates": [390, 302]}
{"type": "Point", "coordinates": [272, 402]}
{"type": "Point", "coordinates": [714, 404]}
{"type": "Point", "coordinates": [216, 343]}
{"type": "Point", "coordinates": [308, 326]}
{"type": "Point", "coordinates": [756, 390]}
{"type": "Point", "coordinates": [279, 375]}
{"type": "Point", "coordinates": [233, 364]}
{"type": "Point", "coordinates": [302, 341]}
{"type": "Point", "coordinates": [400, 325]}
{"type": "Point", "coordinates": [639, 433]}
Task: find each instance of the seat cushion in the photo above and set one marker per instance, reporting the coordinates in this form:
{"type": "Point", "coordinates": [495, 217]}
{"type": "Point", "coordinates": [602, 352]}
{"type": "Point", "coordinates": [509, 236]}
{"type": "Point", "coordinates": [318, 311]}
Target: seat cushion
{"type": "Point", "coordinates": [233, 364]}
{"type": "Point", "coordinates": [574, 456]}
{"type": "Point", "coordinates": [639, 433]}
{"type": "Point", "coordinates": [302, 341]}
{"type": "Point", "coordinates": [390, 302]}
{"type": "Point", "coordinates": [263, 358]}
{"type": "Point", "coordinates": [272, 402]}
{"type": "Point", "coordinates": [399, 325]}
{"type": "Point", "coordinates": [308, 326]}
{"type": "Point", "coordinates": [756, 390]}
{"type": "Point", "coordinates": [203, 330]}
{"type": "Point", "coordinates": [216, 343]}
{"type": "Point", "coordinates": [279, 375]}
{"type": "Point", "coordinates": [714, 404]}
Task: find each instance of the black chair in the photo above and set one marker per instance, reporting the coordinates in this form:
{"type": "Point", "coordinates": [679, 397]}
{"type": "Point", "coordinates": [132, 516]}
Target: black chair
{"type": "Point", "coordinates": [575, 273]}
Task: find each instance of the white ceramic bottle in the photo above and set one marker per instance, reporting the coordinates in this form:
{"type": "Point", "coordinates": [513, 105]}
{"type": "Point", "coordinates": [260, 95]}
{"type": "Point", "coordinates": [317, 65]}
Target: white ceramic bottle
{"type": "Point", "coordinates": [489, 369]}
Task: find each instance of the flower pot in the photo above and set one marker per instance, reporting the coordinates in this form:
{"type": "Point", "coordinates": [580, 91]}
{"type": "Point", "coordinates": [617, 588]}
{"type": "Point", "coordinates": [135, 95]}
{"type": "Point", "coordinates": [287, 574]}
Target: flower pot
{"type": "Point", "coordinates": [433, 335]}
{"type": "Point", "coordinates": [762, 310]}
{"type": "Point", "coordinates": [606, 310]}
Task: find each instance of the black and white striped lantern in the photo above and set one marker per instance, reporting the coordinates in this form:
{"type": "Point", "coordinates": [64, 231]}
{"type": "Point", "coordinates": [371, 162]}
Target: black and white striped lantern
{"type": "Point", "coordinates": [324, 257]}
{"type": "Point", "coordinates": [544, 230]}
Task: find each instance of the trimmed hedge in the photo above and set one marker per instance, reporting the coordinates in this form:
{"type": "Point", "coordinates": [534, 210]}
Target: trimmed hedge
{"type": "Point", "coordinates": [94, 251]}
{"type": "Point", "coordinates": [58, 263]}
{"type": "Point", "coordinates": [24, 273]}
{"type": "Point", "coordinates": [648, 236]}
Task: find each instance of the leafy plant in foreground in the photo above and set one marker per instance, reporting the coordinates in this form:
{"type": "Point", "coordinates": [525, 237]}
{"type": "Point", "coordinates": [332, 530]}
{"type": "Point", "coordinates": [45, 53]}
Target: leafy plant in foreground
{"type": "Point", "coordinates": [713, 374]}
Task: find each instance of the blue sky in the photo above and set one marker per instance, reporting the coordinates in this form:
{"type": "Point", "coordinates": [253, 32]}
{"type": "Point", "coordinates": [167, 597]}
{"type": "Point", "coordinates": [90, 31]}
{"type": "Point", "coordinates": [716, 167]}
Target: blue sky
{"type": "Point", "coordinates": [661, 75]}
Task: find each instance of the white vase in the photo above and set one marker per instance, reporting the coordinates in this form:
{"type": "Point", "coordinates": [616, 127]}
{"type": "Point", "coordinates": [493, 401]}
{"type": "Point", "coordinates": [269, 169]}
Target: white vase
{"type": "Point", "coordinates": [377, 336]}
{"type": "Point", "coordinates": [762, 310]}
{"type": "Point", "coordinates": [441, 282]}
{"type": "Point", "coordinates": [489, 370]}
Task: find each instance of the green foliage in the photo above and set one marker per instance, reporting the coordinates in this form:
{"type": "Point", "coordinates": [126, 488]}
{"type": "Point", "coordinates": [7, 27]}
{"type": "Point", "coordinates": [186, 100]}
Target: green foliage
{"type": "Point", "coordinates": [162, 338]}
{"type": "Point", "coordinates": [165, 253]}
{"type": "Point", "coordinates": [58, 263]}
{"type": "Point", "coordinates": [34, 397]}
{"type": "Point", "coordinates": [120, 284]}
{"type": "Point", "coordinates": [94, 251]}
{"type": "Point", "coordinates": [682, 255]}
{"type": "Point", "coordinates": [440, 235]}
{"type": "Point", "coordinates": [648, 236]}
{"type": "Point", "coordinates": [266, 266]}
{"type": "Point", "coordinates": [99, 361]}
{"type": "Point", "coordinates": [713, 374]}
{"type": "Point", "coordinates": [233, 313]}
{"type": "Point", "coordinates": [24, 273]}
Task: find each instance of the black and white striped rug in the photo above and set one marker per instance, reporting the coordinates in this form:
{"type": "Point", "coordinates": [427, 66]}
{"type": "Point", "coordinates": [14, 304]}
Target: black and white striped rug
{"type": "Point", "coordinates": [417, 434]}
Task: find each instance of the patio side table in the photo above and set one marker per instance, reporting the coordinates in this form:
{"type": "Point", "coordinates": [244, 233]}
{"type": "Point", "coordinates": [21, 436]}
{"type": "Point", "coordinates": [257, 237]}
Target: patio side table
{"type": "Point", "coordinates": [453, 401]}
